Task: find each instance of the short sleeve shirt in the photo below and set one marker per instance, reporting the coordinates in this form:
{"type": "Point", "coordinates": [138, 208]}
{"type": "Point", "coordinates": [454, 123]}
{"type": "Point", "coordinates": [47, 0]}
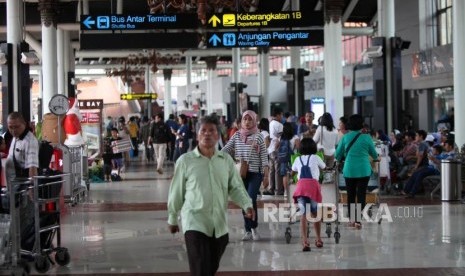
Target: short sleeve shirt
{"type": "Point", "coordinates": [25, 150]}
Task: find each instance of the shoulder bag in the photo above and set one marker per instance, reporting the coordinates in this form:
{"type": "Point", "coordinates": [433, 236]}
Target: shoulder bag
{"type": "Point", "coordinates": [243, 165]}
{"type": "Point", "coordinates": [347, 150]}
{"type": "Point", "coordinates": [321, 150]}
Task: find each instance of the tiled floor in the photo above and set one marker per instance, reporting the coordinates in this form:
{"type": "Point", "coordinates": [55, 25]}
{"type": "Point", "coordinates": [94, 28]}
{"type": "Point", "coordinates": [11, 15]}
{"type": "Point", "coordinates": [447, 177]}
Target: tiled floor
{"type": "Point", "coordinates": [122, 230]}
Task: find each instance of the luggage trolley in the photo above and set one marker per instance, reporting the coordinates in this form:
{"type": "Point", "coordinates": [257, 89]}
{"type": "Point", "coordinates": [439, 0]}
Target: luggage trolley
{"type": "Point", "coordinates": [292, 215]}
{"type": "Point", "coordinates": [330, 194]}
{"type": "Point", "coordinates": [10, 231]}
{"type": "Point", "coordinates": [46, 197]}
{"type": "Point", "coordinates": [77, 181]}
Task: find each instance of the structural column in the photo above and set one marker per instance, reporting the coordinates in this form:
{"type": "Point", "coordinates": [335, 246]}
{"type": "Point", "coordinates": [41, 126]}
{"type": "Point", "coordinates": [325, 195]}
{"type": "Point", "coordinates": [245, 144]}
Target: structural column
{"type": "Point", "coordinates": [295, 64]}
{"type": "Point", "coordinates": [167, 73]}
{"type": "Point", "coordinates": [188, 81]}
{"type": "Point", "coordinates": [386, 16]}
{"type": "Point", "coordinates": [48, 11]}
{"type": "Point", "coordinates": [264, 82]}
{"type": "Point", "coordinates": [211, 69]}
{"type": "Point", "coordinates": [148, 90]}
{"type": "Point", "coordinates": [236, 61]}
{"type": "Point", "coordinates": [334, 97]}
{"type": "Point", "coordinates": [119, 7]}
{"type": "Point", "coordinates": [69, 67]}
{"type": "Point", "coordinates": [60, 71]}
{"type": "Point", "coordinates": [458, 15]}
{"type": "Point", "coordinates": [236, 86]}
{"type": "Point", "coordinates": [14, 36]}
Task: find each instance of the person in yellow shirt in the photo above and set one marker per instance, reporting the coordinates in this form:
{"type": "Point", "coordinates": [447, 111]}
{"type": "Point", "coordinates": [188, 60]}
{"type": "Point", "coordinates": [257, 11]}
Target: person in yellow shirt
{"type": "Point", "coordinates": [203, 181]}
{"type": "Point", "coordinates": [134, 135]}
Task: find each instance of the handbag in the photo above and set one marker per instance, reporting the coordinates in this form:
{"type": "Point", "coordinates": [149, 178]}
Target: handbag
{"type": "Point", "coordinates": [243, 165]}
{"type": "Point", "coordinates": [347, 151]}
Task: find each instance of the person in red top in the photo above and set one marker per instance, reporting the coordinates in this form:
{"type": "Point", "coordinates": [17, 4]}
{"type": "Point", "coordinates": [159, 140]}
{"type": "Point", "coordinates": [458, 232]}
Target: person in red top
{"type": "Point", "coordinates": [235, 127]}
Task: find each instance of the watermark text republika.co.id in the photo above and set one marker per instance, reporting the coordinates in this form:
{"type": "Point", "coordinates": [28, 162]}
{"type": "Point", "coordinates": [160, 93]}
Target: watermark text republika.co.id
{"type": "Point", "coordinates": [329, 212]}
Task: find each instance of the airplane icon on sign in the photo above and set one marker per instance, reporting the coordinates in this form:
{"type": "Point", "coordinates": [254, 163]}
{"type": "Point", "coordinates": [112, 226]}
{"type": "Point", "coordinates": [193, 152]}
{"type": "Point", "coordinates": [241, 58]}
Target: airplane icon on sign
{"type": "Point", "coordinates": [229, 20]}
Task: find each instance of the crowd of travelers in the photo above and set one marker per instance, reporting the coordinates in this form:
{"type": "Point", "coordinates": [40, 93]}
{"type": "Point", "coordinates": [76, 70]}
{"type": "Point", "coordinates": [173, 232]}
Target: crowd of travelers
{"type": "Point", "coordinates": [413, 155]}
{"type": "Point", "coordinates": [269, 154]}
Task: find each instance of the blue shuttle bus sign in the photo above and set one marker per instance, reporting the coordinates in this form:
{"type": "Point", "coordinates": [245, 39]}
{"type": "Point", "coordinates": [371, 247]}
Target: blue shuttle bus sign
{"type": "Point", "coordinates": [114, 22]}
{"type": "Point", "coordinates": [265, 39]}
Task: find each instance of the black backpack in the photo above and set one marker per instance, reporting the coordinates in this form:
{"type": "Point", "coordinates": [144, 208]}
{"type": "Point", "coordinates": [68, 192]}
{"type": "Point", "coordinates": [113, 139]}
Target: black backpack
{"type": "Point", "coordinates": [305, 172]}
{"type": "Point", "coordinates": [45, 154]}
{"type": "Point", "coordinates": [115, 177]}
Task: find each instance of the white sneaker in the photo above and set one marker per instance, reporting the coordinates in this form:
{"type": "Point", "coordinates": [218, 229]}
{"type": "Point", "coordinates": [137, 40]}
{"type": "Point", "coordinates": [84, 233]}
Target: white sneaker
{"type": "Point", "coordinates": [247, 237]}
{"type": "Point", "coordinates": [255, 235]}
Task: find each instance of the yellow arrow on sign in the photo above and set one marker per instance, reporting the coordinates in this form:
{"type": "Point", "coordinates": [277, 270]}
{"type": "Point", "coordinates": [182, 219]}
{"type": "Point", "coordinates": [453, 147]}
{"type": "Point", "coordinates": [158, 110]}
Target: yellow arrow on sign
{"type": "Point", "coordinates": [214, 20]}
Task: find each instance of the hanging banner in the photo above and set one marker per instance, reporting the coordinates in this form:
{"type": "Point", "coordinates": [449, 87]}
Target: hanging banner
{"type": "Point", "coordinates": [91, 125]}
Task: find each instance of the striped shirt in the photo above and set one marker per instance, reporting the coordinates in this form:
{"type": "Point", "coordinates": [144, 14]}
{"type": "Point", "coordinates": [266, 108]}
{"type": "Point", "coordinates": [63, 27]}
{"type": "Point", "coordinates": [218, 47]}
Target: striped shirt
{"type": "Point", "coordinates": [258, 158]}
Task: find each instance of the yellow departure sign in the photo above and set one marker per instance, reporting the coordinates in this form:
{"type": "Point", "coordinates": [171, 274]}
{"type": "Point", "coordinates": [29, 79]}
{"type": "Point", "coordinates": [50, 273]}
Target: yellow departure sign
{"type": "Point", "coordinates": [263, 20]}
{"type": "Point", "coordinates": [145, 96]}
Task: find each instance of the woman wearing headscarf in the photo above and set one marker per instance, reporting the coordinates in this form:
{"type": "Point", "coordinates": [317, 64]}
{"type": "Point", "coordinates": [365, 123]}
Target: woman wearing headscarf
{"type": "Point", "coordinates": [248, 144]}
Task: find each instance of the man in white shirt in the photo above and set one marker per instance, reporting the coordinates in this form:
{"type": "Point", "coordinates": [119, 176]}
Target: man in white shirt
{"type": "Point", "coordinates": [23, 154]}
{"type": "Point", "coordinates": [276, 129]}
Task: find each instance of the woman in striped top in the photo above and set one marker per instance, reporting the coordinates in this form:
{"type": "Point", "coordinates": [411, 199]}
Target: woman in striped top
{"type": "Point", "coordinates": [247, 144]}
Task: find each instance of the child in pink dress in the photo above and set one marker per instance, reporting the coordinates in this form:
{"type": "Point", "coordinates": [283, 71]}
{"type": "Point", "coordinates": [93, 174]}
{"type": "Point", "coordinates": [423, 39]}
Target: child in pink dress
{"type": "Point", "coordinates": [308, 192]}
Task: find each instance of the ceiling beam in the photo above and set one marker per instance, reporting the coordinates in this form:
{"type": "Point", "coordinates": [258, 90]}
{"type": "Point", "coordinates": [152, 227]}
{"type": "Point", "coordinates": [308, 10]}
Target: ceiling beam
{"type": "Point", "coordinates": [160, 66]}
{"type": "Point", "coordinates": [350, 8]}
{"type": "Point", "coordinates": [193, 53]}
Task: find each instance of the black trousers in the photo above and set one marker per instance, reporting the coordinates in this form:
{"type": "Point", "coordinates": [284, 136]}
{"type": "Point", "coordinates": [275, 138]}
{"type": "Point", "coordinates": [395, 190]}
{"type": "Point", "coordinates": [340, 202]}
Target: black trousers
{"type": "Point", "coordinates": [204, 253]}
{"type": "Point", "coordinates": [356, 188]}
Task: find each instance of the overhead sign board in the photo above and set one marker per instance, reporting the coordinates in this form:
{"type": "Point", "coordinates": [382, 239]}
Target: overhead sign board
{"type": "Point", "coordinates": [115, 22]}
{"type": "Point", "coordinates": [264, 20]}
{"type": "Point", "coordinates": [90, 104]}
{"type": "Point", "coordinates": [265, 39]}
{"type": "Point", "coordinates": [145, 96]}
{"type": "Point", "coordinates": [105, 41]}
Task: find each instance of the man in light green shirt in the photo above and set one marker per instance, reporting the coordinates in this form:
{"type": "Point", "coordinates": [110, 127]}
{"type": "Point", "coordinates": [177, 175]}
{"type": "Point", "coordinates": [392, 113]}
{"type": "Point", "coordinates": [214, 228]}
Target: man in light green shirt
{"type": "Point", "coordinates": [203, 181]}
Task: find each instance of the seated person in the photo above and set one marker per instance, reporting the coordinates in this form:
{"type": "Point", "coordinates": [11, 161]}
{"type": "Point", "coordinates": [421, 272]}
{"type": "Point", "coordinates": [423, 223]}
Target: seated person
{"type": "Point", "coordinates": [407, 156]}
{"type": "Point", "coordinates": [433, 167]}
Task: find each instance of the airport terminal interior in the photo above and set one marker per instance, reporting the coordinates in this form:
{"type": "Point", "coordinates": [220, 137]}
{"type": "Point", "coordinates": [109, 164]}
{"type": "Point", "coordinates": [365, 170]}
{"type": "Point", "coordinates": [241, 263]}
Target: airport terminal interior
{"type": "Point", "coordinates": [135, 58]}
{"type": "Point", "coordinates": [122, 229]}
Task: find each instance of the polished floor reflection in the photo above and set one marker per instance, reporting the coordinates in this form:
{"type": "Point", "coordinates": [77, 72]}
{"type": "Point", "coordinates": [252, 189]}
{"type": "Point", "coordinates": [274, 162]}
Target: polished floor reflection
{"type": "Point", "coordinates": [122, 230]}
